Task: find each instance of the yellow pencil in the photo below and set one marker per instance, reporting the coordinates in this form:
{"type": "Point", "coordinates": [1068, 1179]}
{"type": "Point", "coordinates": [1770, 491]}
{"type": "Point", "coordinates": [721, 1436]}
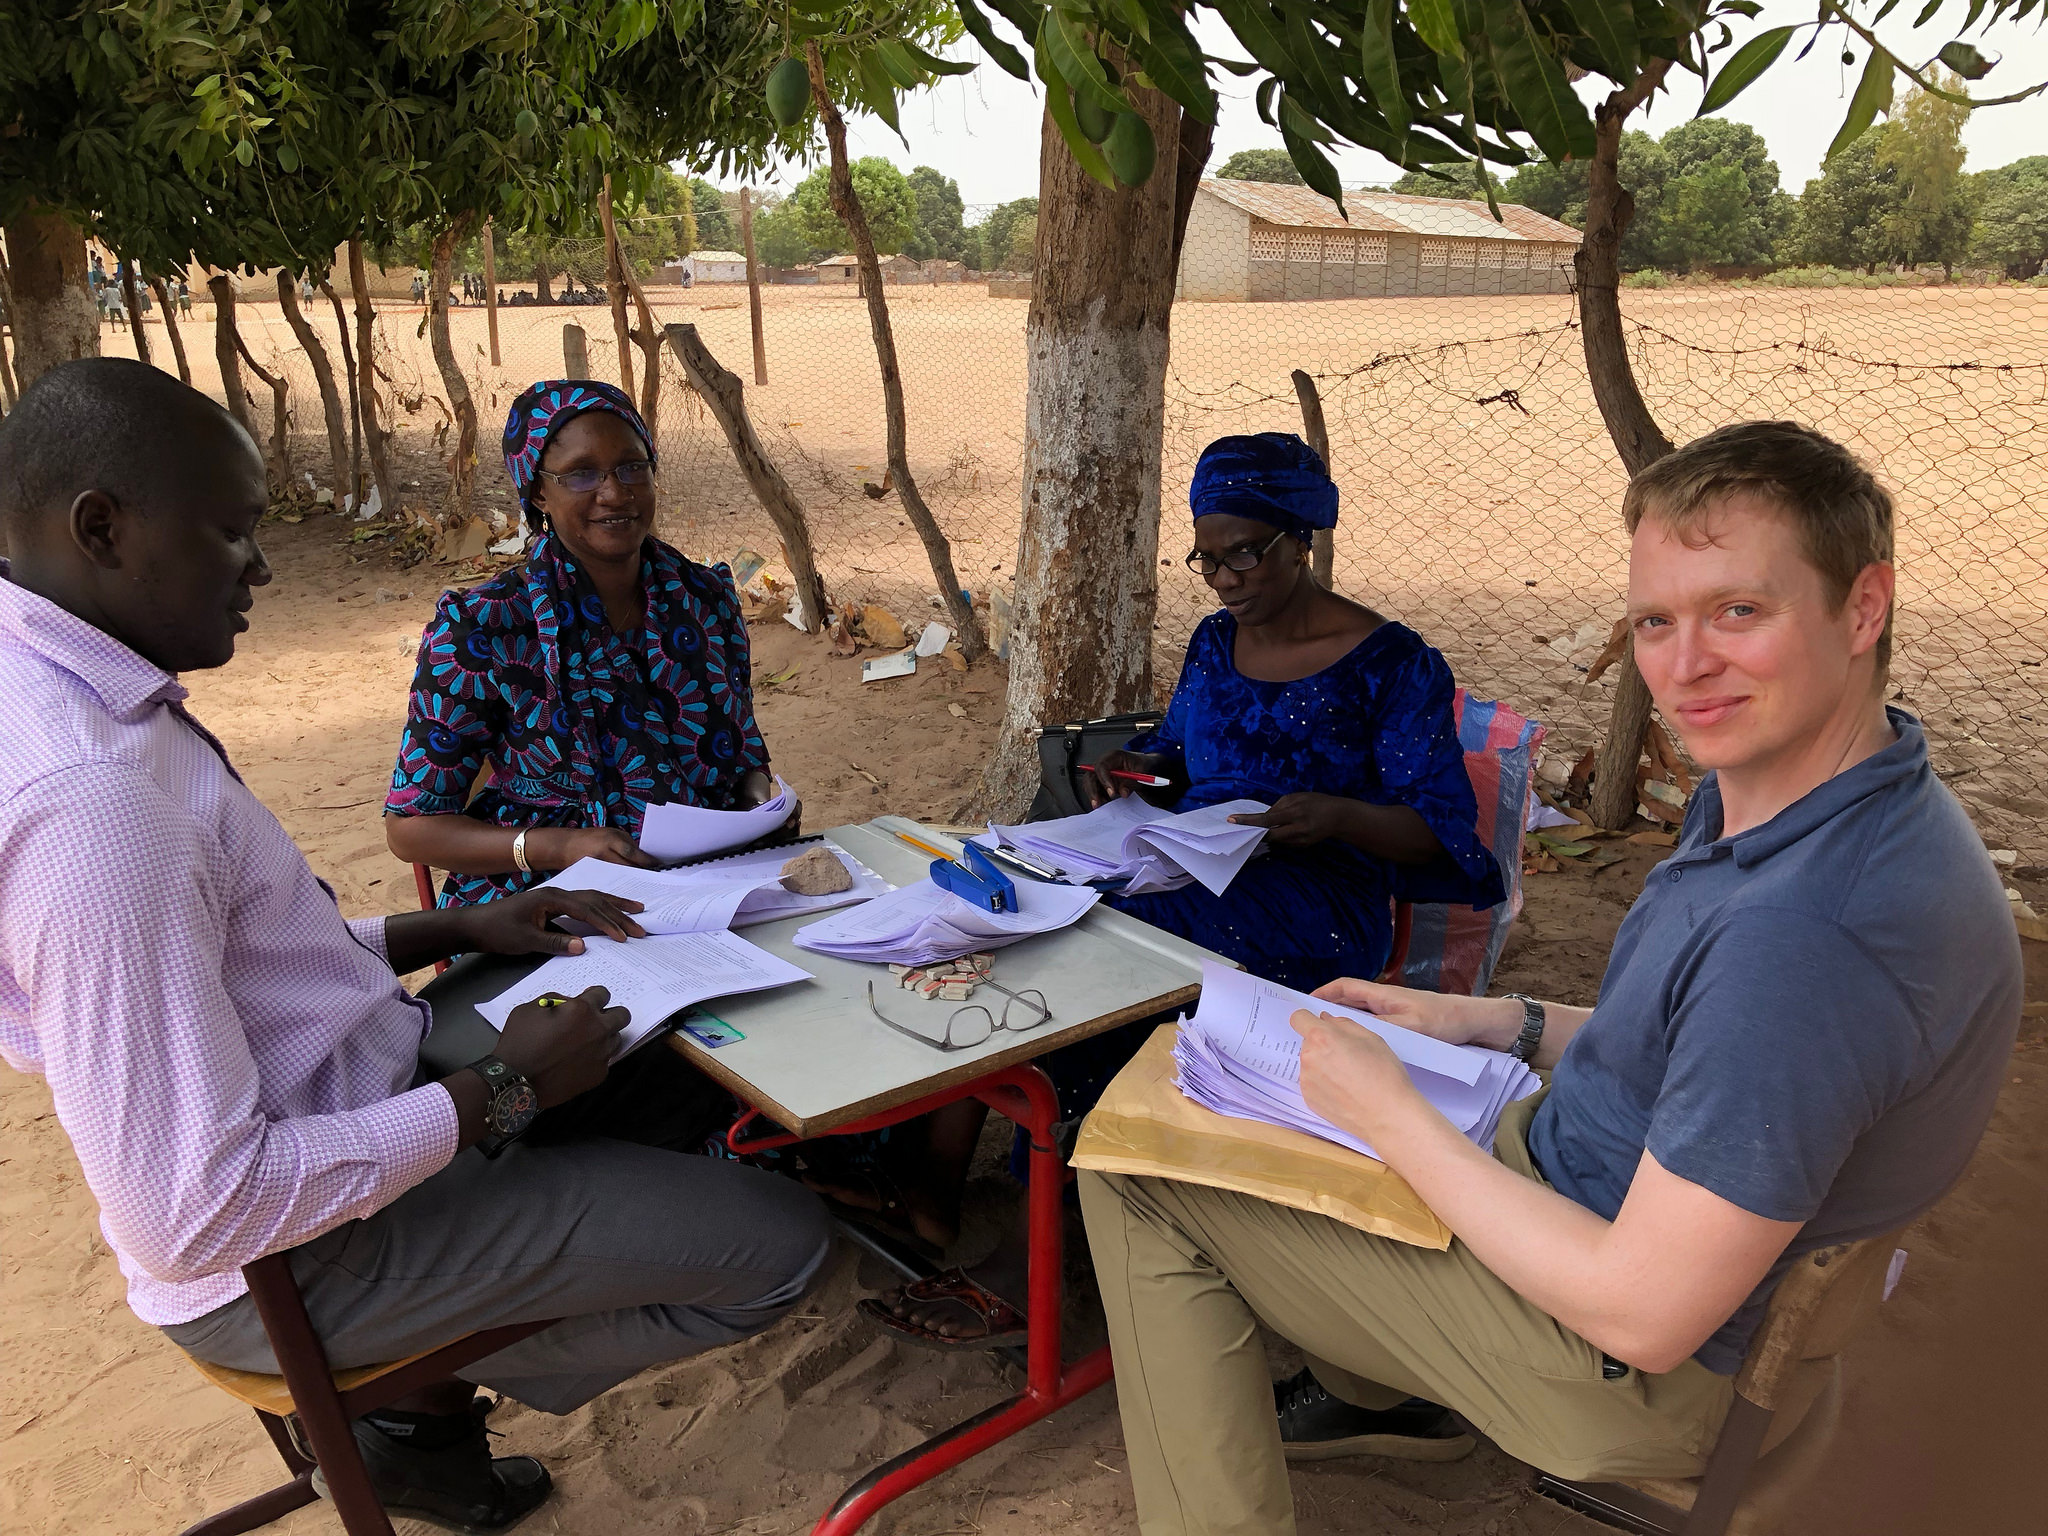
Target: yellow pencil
{"type": "Point", "coordinates": [926, 848]}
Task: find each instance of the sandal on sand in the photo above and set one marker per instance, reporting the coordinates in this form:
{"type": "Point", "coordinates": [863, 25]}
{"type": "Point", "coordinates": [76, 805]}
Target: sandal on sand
{"type": "Point", "coordinates": [1001, 1323]}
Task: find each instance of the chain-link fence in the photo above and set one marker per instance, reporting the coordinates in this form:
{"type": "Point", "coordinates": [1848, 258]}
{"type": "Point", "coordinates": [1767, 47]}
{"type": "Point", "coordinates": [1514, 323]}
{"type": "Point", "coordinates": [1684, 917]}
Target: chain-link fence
{"type": "Point", "coordinates": [1480, 491]}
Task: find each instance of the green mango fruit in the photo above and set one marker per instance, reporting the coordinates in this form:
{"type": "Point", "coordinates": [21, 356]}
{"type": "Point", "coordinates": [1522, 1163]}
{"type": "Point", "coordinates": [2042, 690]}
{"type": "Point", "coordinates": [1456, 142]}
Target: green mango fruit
{"type": "Point", "coordinates": [789, 92]}
{"type": "Point", "coordinates": [1129, 150]}
{"type": "Point", "coordinates": [1095, 120]}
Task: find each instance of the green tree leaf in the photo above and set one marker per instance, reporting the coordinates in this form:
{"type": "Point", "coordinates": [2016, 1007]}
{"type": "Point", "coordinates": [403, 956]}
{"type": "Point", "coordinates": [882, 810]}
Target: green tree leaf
{"type": "Point", "coordinates": [1873, 95]}
{"type": "Point", "coordinates": [1550, 110]}
{"type": "Point", "coordinates": [1173, 62]}
{"type": "Point", "coordinates": [1059, 105]}
{"type": "Point", "coordinates": [1611, 29]}
{"type": "Point", "coordinates": [1744, 66]}
{"type": "Point", "coordinates": [1065, 38]}
{"type": "Point", "coordinates": [1382, 70]}
{"type": "Point", "coordinates": [1436, 24]}
{"type": "Point", "coordinates": [1007, 58]}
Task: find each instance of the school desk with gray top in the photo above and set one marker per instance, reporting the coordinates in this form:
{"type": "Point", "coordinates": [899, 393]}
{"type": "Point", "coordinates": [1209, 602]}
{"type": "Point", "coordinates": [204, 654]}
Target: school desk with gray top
{"type": "Point", "coordinates": [815, 1061]}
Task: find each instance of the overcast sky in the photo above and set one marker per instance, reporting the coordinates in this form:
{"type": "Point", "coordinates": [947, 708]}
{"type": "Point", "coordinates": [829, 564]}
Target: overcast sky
{"type": "Point", "coordinates": [982, 129]}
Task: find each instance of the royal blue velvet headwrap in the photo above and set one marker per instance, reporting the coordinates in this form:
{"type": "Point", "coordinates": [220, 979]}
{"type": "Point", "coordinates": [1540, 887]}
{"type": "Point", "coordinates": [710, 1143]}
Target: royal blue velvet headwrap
{"type": "Point", "coordinates": [545, 408]}
{"type": "Point", "coordinates": [1270, 477]}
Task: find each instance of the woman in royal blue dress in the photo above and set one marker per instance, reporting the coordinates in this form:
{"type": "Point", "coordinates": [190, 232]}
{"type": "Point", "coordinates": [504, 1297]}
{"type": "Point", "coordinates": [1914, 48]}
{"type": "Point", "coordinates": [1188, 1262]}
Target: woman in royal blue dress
{"type": "Point", "coordinates": [605, 673]}
{"type": "Point", "coordinates": [1340, 720]}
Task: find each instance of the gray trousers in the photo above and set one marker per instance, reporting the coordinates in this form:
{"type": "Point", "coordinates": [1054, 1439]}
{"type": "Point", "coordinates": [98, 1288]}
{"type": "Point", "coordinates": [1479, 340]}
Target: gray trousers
{"type": "Point", "coordinates": [646, 1254]}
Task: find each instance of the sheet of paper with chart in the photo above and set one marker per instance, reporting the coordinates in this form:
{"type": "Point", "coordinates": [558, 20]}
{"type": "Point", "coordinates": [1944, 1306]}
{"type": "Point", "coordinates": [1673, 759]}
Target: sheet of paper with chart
{"type": "Point", "coordinates": [1240, 1056]}
{"type": "Point", "coordinates": [733, 892]}
{"type": "Point", "coordinates": [651, 978]}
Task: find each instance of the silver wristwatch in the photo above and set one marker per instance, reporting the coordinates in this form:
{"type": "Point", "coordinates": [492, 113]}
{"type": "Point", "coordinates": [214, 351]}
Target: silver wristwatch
{"type": "Point", "coordinates": [1524, 1048]}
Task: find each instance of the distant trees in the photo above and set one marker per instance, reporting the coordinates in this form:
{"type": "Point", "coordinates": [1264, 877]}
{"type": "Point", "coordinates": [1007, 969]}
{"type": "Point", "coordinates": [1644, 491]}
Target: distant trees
{"type": "Point", "coordinates": [1003, 241]}
{"type": "Point", "coordinates": [1922, 146]}
{"type": "Point", "coordinates": [938, 230]}
{"type": "Point", "coordinates": [1261, 165]}
{"type": "Point", "coordinates": [2011, 225]}
{"type": "Point", "coordinates": [884, 192]}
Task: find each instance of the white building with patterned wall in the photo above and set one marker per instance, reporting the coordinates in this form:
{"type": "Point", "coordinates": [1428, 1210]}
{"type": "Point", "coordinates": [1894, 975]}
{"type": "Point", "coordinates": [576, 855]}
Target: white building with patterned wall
{"type": "Point", "coordinates": [1266, 240]}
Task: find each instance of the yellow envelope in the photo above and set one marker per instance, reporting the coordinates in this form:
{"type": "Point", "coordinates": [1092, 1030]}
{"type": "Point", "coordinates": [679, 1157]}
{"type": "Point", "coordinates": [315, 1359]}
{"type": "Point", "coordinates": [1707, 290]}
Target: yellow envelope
{"type": "Point", "coordinates": [1145, 1125]}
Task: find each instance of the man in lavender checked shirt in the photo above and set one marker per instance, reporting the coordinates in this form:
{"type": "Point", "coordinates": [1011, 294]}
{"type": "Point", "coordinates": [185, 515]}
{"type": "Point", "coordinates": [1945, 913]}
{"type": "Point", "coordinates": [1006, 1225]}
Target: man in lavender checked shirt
{"type": "Point", "coordinates": [238, 1067]}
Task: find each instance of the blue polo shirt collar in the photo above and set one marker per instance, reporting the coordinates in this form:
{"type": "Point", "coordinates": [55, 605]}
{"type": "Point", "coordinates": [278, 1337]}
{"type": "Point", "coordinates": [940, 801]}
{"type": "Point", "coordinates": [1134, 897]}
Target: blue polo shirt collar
{"type": "Point", "coordinates": [1902, 759]}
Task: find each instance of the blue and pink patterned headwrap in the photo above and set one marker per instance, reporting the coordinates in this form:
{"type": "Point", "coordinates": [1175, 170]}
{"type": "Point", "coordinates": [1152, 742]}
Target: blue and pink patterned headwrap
{"type": "Point", "coordinates": [547, 407]}
{"type": "Point", "coordinates": [1270, 477]}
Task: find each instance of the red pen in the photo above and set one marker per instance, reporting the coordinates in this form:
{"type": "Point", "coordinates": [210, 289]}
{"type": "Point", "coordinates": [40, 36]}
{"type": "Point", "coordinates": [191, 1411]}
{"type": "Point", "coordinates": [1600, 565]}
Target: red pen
{"type": "Point", "coordinates": [1149, 780]}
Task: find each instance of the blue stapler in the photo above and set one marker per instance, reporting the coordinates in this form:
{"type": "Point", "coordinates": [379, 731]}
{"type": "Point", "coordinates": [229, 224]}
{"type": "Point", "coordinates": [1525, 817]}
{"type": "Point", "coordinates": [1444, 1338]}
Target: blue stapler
{"type": "Point", "coordinates": [974, 877]}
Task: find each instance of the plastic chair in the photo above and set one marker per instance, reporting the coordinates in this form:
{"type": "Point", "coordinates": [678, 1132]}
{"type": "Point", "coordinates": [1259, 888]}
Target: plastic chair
{"type": "Point", "coordinates": [307, 1410]}
{"type": "Point", "coordinates": [1787, 1402]}
{"type": "Point", "coordinates": [1443, 948]}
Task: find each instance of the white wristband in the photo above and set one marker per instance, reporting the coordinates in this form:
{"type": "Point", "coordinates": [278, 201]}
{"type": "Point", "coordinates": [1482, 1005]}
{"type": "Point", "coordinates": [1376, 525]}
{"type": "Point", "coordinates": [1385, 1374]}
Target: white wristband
{"type": "Point", "coordinates": [519, 852]}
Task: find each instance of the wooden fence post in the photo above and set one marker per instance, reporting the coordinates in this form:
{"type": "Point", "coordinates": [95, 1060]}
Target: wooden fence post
{"type": "Point", "coordinates": [491, 290]}
{"type": "Point", "coordinates": [753, 285]}
{"type": "Point", "coordinates": [1324, 552]}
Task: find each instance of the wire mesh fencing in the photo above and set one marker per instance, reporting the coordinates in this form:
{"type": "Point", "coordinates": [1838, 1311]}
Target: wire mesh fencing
{"type": "Point", "coordinates": [1480, 492]}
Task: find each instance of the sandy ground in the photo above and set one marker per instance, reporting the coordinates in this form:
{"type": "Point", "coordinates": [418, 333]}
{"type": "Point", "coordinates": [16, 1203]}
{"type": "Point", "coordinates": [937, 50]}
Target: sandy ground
{"type": "Point", "coordinates": [1479, 486]}
{"type": "Point", "coordinates": [105, 1430]}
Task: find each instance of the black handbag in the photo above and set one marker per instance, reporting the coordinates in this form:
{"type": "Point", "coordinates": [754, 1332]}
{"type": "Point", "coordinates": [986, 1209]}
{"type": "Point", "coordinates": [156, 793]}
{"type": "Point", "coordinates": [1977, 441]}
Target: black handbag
{"type": "Point", "coordinates": [1066, 752]}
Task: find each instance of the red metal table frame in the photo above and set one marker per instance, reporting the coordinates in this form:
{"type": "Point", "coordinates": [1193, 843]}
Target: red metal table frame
{"type": "Point", "coordinates": [1022, 1094]}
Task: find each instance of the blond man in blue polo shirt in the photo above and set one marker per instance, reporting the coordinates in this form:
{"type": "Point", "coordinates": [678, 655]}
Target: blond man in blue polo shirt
{"type": "Point", "coordinates": [1798, 1042]}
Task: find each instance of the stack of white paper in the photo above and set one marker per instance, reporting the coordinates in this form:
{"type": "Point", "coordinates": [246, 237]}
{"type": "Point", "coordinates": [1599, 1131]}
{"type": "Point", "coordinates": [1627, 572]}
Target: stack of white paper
{"type": "Point", "coordinates": [735, 892]}
{"type": "Point", "coordinates": [1239, 1056]}
{"type": "Point", "coordinates": [690, 831]}
{"type": "Point", "coordinates": [921, 923]}
{"type": "Point", "coordinates": [651, 978]}
{"type": "Point", "coordinates": [1151, 849]}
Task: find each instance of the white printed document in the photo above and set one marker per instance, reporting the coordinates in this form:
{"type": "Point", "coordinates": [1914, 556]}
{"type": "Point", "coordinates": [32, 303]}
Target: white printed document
{"type": "Point", "coordinates": [673, 831]}
{"type": "Point", "coordinates": [1240, 1056]}
{"type": "Point", "coordinates": [921, 923]}
{"type": "Point", "coordinates": [651, 978]}
{"type": "Point", "coordinates": [1150, 849]}
{"type": "Point", "coordinates": [733, 892]}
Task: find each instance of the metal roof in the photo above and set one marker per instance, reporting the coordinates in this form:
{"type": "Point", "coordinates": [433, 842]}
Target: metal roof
{"type": "Point", "coordinates": [718, 256]}
{"type": "Point", "coordinates": [1389, 213]}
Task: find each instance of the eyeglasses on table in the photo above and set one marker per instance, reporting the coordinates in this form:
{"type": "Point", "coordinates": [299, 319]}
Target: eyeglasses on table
{"type": "Point", "coordinates": [971, 1024]}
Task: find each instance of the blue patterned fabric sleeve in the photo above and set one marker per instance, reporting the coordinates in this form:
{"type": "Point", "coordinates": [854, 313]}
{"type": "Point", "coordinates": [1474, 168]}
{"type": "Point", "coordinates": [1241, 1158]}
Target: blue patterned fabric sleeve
{"type": "Point", "coordinates": [1422, 766]}
{"type": "Point", "coordinates": [1170, 736]}
{"type": "Point", "coordinates": [451, 720]}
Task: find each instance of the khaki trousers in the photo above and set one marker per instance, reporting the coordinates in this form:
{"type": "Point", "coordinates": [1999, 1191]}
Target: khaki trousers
{"type": "Point", "coordinates": [1188, 1272]}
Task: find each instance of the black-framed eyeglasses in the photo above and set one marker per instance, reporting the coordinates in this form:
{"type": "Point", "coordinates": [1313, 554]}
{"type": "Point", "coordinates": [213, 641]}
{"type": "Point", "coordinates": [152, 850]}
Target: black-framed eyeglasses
{"type": "Point", "coordinates": [972, 1024]}
{"type": "Point", "coordinates": [581, 482]}
{"type": "Point", "coordinates": [1202, 563]}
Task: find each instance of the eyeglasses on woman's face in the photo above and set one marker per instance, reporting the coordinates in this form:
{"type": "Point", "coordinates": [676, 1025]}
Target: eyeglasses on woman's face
{"type": "Point", "coordinates": [1245, 557]}
{"type": "Point", "coordinates": [581, 482]}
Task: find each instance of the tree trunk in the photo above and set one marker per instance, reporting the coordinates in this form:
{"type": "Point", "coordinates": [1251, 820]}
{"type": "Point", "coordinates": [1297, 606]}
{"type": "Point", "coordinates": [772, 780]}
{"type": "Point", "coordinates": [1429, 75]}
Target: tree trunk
{"type": "Point", "coordinates": [615, 286]}
{"type": "Point", "coordinates": [462, 472]}
{"type": "Point", "coordinates": [543, 284]}
{"type": "Point", "coordinates": [375, 438]}
{"type": "Point", "coordinates": [649, 339]}
{"type": "Point", "coordinates": [1316, 433]}
{"type": "Point", "coordinates": [227, 352]}
{"type": "Point", "coordinates": [10, 390]}
{"type": "Point", "coordinates": [725, 397]}
{"type": "Point", "coordinates": [1637, 437]}
{"type": "Point", "coordinates": [164, 301]}
{"type": "Point", "coordinates": [355, 418]}
{"type": "Point", "coordinates": [491, 290]}
{"type": "Point", "coordinates": [53, 315]}
{"type": "Point", "coordinates": [323, 376]}
{"type": "Point", "coordinates": [847, 205]}
{"type": "Point", "coordinates": [1094, 417]}
{"type": "Point", "coordinates": [753, 285]}
{"type": "Point", "coordinates": [280, 413]}
{"type": "Point", "coordinates": [131, 295]}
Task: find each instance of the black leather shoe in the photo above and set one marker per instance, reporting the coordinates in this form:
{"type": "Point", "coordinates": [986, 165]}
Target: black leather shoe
{"type": "Point", "coordinates": [459, 1488]}
{"type": "Point", "coordinates": [1314, 1426]}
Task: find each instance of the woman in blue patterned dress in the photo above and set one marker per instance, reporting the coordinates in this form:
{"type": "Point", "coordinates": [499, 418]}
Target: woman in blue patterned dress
{"type": "Point", "coordinates": [605, 673]}
{"type": "Point", "coordinates": [1335, 717]}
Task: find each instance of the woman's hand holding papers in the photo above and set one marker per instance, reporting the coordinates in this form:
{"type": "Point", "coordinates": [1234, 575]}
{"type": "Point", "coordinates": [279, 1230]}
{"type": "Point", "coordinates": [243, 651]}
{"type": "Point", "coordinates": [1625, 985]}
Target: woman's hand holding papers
{"type": "Point", "coordinates": [559, 847]}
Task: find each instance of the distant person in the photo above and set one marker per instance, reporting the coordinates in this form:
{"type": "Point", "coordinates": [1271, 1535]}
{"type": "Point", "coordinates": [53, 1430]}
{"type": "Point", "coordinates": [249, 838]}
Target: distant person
{"type": "Point", "coordinates": [419, 289]}
{"type": "Point", "coordinates": [1799, 1040]}
{"type": "Point", "coordinates": [605, 673]}
{"type": "Point", "coordinates": [184, 298]}
{"type": "Point", "coordinates": [238, 1067]}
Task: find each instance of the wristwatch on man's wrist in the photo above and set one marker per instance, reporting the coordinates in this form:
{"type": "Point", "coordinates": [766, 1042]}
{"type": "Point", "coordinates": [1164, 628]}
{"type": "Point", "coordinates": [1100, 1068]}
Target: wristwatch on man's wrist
{"type": "Point", "coordinates": [1526, 1043]}
{"type": "Point", "coordinates": [510, 1108]}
